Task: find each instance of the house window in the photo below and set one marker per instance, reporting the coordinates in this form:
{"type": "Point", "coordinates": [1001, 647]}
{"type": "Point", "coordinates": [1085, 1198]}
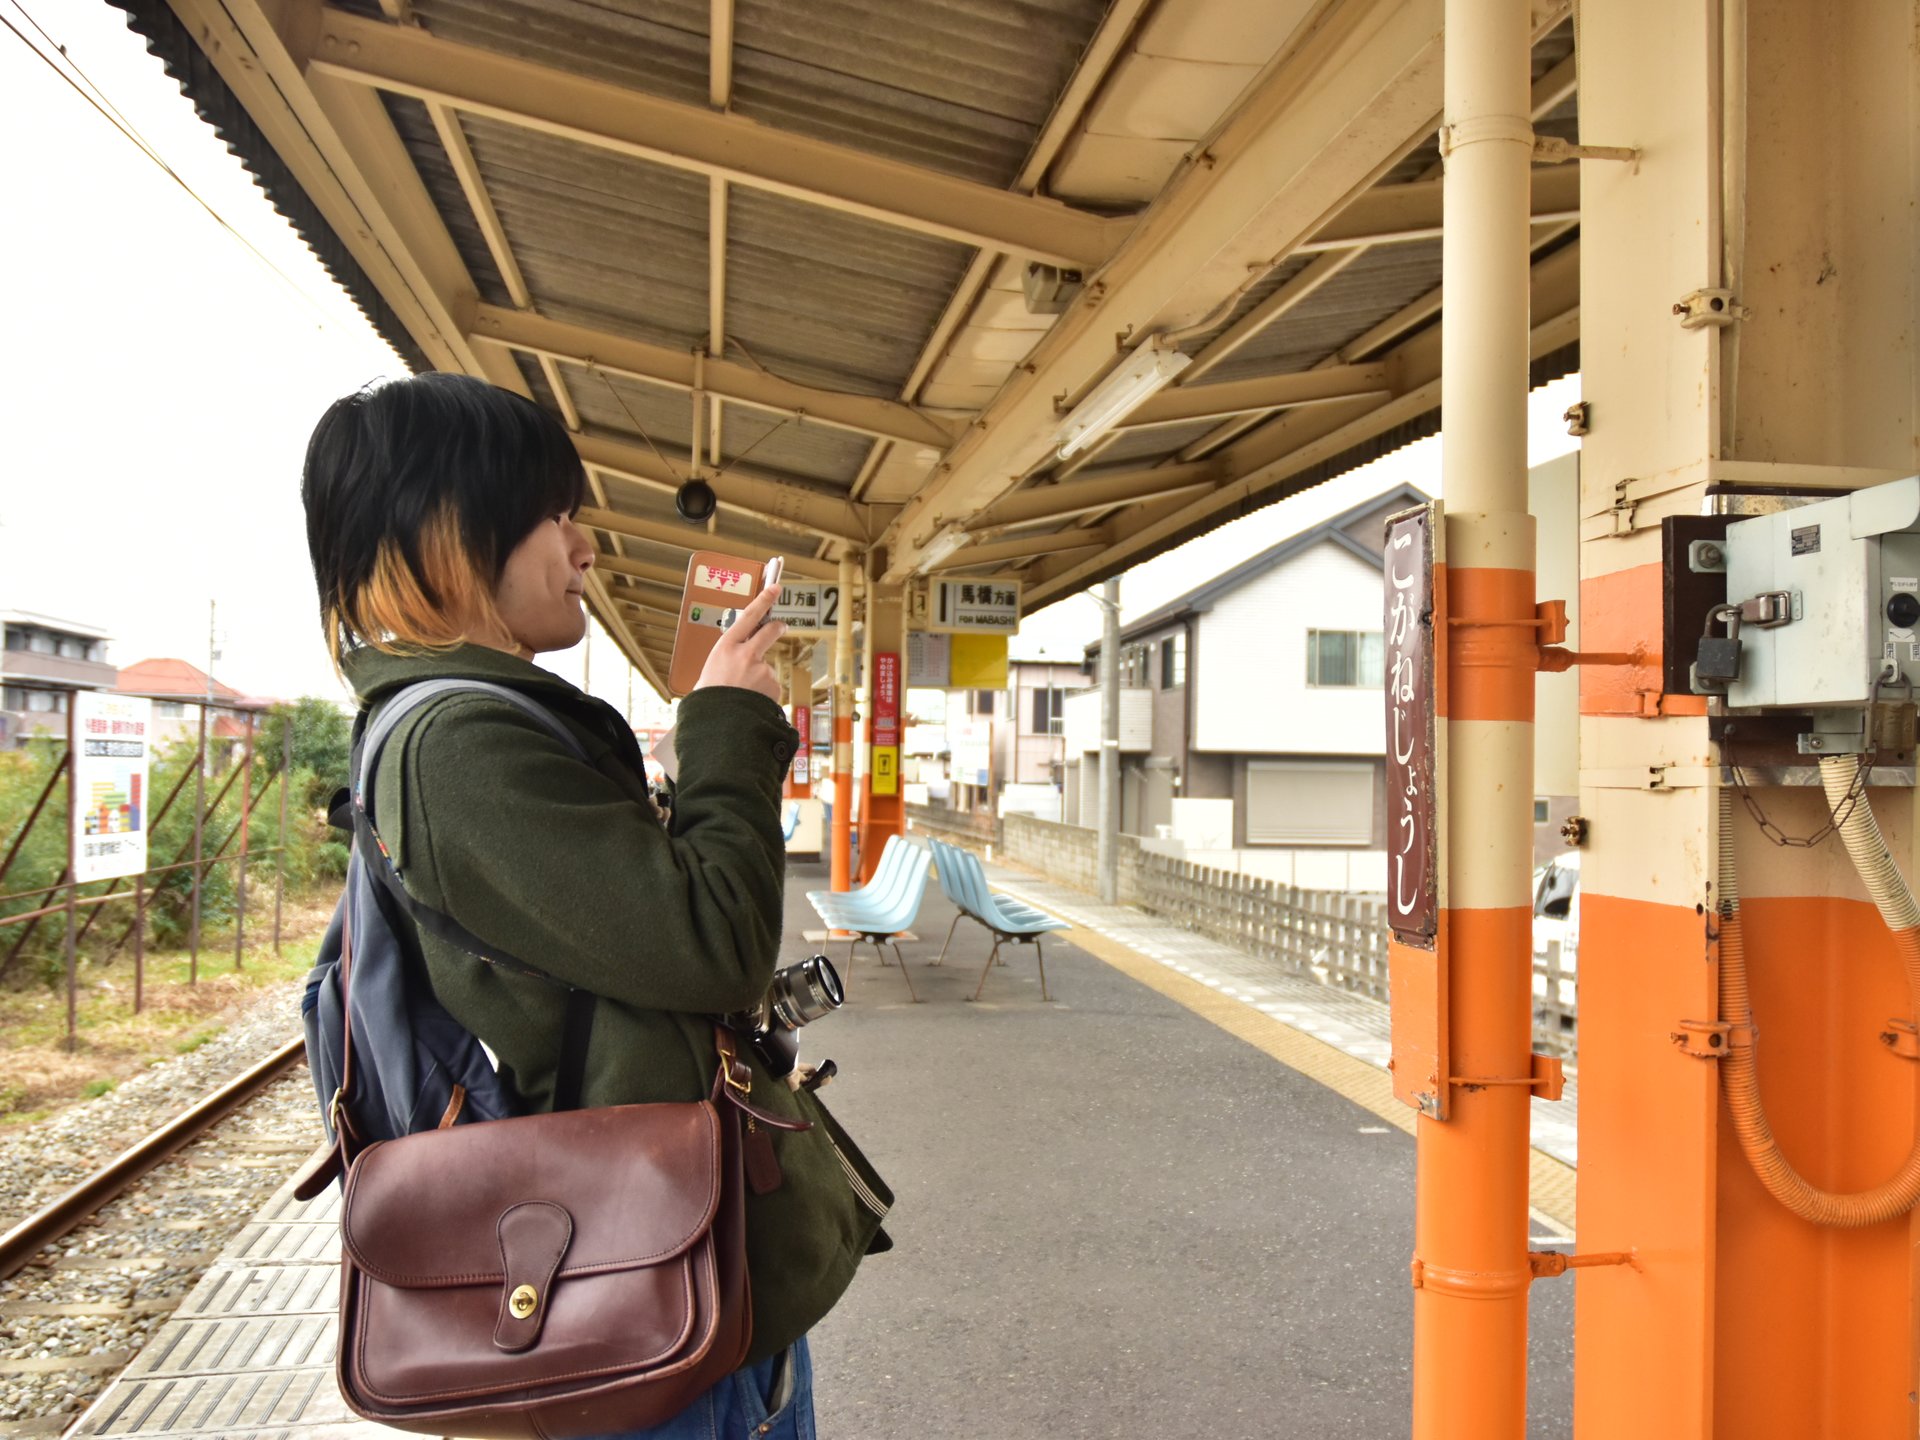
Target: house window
{"type": "Point", "coordinates": [72, 649]}
{"type": "Point", "coordinates": [40, 642]}
{"type": "Point", "coordinates": [1293, 802]}
{"type": "Point", "coordinates": [13, 698]}
{"type": "Point", "coordinates": [1344, 658]}
{"type": "Point", "coordinates": [1049, 710]}
{"type": "Point", "coordinates": [169, 709]}
{"type": "Point", "coordinates": [982, 702]}
{"type": "Point", "coordinates": [1133, 666]}
{"type": "Point", "coordinates": [16, 639]}
{"type": "Point", "coordinates": [1539, 810]}
{"type": "Point", "coordinates": [47, 702]}
{"type": "Point", "coordinates": [1173, 661]}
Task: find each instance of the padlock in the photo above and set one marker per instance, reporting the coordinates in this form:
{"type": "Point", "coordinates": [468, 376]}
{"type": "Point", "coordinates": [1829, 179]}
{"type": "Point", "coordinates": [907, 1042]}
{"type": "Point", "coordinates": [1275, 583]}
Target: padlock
{"type": "Point", "coordinates": [1716, 664]}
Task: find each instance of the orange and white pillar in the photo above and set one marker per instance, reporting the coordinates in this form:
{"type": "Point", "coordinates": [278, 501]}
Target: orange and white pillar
{"type": "Point", "coordinates": [841, 866]}
{"type": "Point", "coordinates": [1778, 165]}
{"type": "Point", "coordinates": [1471, 1268]}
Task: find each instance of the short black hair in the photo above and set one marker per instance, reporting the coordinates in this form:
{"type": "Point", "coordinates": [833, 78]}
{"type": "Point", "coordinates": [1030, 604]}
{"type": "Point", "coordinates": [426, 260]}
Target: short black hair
{"type": "Point", "coordinates": [448, 453]}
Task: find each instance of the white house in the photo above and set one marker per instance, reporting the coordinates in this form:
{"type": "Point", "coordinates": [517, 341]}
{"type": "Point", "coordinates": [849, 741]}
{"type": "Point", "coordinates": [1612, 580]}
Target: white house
{"type": "Point", "coordinates": [1265, 736]}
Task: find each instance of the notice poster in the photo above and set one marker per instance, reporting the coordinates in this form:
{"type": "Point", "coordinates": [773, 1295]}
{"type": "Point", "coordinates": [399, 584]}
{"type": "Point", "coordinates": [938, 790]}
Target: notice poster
{"type": "Point", "coordinates": [886, 770]}
{"type": "Point", "coordinates": [928, 661]}
{"type": "Point", "coordinates": [886, 697]}
{"type": "Point", "coordinates": [978, 662]}
{"type": "Point", "coordinates": [803, 752]}
{"type": "Point", "coordinates": [112, 746]}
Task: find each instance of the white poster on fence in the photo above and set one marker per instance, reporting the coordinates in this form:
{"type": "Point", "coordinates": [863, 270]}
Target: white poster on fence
{"type": "Point", "coordinates": [113, 735]}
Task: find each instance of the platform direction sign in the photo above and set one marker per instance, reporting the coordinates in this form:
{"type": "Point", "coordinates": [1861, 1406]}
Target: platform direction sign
{"type": "Point", "coordinates": [808, 607]}
{"type": "Point", "coordinates": [989, 606]}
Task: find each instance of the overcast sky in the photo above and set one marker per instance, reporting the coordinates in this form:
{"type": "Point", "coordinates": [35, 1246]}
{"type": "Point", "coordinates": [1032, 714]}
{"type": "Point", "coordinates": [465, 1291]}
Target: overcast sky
{"type": "Point", "coordinates": [160, 381]}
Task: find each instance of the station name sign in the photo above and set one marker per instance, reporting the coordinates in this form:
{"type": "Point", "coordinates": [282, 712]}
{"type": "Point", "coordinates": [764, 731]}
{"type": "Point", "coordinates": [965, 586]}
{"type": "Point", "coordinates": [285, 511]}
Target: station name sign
{"type": "Point", "coordinates": [1413, 858]}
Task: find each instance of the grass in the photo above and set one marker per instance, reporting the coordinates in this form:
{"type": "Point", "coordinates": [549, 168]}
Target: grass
{"type": "Point", "coordinates": [179, 1014]}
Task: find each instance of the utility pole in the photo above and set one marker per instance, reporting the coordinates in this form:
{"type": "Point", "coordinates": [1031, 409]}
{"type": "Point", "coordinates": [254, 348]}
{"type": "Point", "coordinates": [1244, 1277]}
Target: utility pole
{"type": "Point", "coordinates": [1109, 809]}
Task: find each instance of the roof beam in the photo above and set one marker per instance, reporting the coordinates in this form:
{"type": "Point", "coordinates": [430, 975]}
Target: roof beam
{"type": "Point", "coordinates": [409, 61]}
{"type": "Point", "coordinates": [664, 365]}
{"type": "Point", "coordinates": [1317, 124]}
{"type": "Point", "coordinates": [1093, 493]}
{"type": "Point", "coordinates": [1393, 214]}
{"type": "Point", "coordinates": [1024, 548]}
{"type": "Point", "coordinates": [1304, 438]}
{"type": "Point", "coordinates": [759, 494]}
{"type": "Point", "coordinates": [1265, 392]}
{"type": "Point", "coordinates": [685, 537]}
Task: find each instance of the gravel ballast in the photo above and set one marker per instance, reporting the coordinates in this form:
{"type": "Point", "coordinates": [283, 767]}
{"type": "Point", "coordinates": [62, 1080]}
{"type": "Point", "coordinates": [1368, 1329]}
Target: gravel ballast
{"type": "Point", "coordinates": [72, 1319]}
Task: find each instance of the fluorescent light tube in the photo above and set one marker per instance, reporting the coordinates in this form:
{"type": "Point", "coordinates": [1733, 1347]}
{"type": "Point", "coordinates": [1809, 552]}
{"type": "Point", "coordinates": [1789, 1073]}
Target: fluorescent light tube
{"type": "Point", "coordinates": [940, 547]}
{"type": "Point", "coordinates": [1145, 372]}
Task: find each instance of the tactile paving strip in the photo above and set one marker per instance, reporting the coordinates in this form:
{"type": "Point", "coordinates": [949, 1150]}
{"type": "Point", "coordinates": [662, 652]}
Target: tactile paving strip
{"type": "Point", "coordinates": [249, 1353]}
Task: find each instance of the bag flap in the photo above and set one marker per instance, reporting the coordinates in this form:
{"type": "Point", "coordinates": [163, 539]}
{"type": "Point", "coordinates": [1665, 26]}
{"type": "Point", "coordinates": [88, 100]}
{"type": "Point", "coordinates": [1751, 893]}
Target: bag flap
{"type": "Point", "coordinates": [640, 1182]}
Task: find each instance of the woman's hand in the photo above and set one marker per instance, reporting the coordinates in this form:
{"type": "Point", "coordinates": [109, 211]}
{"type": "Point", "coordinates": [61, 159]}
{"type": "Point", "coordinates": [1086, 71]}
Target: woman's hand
{"type": "Point", "coordinates": [740, 657]}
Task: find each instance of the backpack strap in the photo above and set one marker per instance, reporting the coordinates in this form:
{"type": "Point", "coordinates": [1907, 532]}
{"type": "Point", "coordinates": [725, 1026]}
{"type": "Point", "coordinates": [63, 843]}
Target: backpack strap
{"type": "Point", "coordinates": [581, 1004]}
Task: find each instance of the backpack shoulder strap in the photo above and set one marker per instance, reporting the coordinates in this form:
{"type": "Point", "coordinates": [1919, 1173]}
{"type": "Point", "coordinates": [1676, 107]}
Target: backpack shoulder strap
{"type": "Point", "coordinates": [380, 861]}
{"type": "Point", "coordinates": [580, 1003]}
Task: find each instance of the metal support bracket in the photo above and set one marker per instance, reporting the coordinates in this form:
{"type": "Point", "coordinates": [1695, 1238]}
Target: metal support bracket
{"type": "Point", "coordinates": [1545, 1264]}
{"type": "Point", "coordinates": [1709, 309]}
{"type": "Point", "coordinates": [1902, 1038]}
{"type": "Point", "coordinates": [1551, 150]}
{"type": "Point", "coordinates": [1704, 1039]}
{"type": "Point", "coordinates": [1548, 1078]}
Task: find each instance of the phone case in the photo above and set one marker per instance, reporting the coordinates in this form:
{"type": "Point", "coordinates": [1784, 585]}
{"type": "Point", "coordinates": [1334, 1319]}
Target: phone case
{"type": "Point", "coordinates": [718, 587]}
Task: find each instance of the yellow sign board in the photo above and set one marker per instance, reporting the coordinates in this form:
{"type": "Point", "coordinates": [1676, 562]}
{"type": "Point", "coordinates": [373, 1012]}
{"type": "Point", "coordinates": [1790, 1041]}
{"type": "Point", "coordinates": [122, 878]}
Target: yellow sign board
{"type": "Point", "coordinates": [978, 662]}
{"type": "Point", "coordinates": [886, 770]}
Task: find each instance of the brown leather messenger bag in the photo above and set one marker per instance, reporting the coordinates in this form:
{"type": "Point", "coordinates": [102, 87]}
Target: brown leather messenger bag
{"type": "Point", "coordinates": [550, 1276]}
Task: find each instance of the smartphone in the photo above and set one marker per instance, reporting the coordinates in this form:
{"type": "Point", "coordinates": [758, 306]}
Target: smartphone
{"type": "Point", "coordinates": [718, 588]}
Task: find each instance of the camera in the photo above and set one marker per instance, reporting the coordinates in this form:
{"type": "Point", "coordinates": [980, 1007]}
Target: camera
{"type": "Point", "coordinates": [798, 995]}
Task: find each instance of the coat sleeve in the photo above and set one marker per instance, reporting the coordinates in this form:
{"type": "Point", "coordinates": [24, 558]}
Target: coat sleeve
{"type": "Point", "coordinates": [541, 854]}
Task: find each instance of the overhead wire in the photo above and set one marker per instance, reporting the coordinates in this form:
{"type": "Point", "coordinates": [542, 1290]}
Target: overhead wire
{"type": "Point", "coordinates": [113, 116]}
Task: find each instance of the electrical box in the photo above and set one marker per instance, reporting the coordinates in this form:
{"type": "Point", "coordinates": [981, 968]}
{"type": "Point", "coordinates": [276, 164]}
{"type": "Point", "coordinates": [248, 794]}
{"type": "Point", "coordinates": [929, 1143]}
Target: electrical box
{"type": "Point", "coordinates": [1823, 601]}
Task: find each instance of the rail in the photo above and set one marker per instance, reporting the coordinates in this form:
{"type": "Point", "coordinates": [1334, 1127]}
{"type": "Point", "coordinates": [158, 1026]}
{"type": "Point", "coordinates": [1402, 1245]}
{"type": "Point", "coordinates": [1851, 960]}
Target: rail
{"type": "Point", "coordinates": [40, 1229]}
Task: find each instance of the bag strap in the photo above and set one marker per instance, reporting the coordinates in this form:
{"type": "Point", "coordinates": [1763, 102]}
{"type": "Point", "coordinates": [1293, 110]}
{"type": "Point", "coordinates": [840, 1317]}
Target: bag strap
{"type": "Point", "coordinates": [578, 1026]}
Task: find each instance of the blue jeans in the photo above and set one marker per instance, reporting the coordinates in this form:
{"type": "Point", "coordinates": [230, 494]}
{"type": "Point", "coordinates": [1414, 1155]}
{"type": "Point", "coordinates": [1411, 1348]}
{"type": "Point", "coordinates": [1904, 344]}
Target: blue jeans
{"type": "Point", "coordinates": [746, 1405]}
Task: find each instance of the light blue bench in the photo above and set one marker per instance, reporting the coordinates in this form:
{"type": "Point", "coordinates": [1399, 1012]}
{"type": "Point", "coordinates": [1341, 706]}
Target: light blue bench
{"type": "Point", "coordinates": [964, 881]}
{"type": "Point", "coordinates": [883, 907]}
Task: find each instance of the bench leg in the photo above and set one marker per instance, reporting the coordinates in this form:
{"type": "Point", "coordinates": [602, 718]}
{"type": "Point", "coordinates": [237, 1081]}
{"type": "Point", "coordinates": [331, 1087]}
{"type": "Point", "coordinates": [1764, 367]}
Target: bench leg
{"type": "Point", "coordinates": [987, 969]}
{"type": "Point", "coordinates": [904, 971]}
{"type": "Point", "coordinates": [1041, 955]}
{"type": "Point", "coordinates": [958, 916]}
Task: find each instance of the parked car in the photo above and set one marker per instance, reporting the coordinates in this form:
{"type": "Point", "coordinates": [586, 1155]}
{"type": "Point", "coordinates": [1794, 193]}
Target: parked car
{"type": "Point", "coordinates": [1556, 919]}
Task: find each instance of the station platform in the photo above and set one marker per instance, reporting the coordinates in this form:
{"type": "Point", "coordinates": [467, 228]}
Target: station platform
{"type": "Point", "coordinates": [1176, 1199]}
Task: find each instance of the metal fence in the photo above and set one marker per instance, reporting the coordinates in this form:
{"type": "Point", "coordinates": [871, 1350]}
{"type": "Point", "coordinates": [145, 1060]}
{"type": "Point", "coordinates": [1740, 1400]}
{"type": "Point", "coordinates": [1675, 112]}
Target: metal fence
{"type": "Point", "coordinates": [1339, 940]}
{"type": "Point", "coordinates": [219, 837]}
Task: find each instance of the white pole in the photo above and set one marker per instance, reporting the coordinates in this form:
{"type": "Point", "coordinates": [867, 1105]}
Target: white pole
{"type": "Point", "coordinates": [1109, 807]}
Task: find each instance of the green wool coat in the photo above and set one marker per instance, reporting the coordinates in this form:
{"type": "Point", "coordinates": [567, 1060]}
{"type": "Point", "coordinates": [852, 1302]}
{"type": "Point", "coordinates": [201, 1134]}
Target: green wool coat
{"type": "Point", "coordinates": [567, 867]}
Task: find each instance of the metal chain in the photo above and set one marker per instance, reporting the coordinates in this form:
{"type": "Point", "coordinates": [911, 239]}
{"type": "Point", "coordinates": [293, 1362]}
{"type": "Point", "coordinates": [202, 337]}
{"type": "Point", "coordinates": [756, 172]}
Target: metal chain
{"type": "Point", "coordinates": [1841, 813]}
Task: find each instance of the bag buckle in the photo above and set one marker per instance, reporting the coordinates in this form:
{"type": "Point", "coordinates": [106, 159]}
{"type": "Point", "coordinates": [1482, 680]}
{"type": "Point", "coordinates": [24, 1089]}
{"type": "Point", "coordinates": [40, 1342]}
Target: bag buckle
{"type": "Point", "coordinates": [731, 1069]}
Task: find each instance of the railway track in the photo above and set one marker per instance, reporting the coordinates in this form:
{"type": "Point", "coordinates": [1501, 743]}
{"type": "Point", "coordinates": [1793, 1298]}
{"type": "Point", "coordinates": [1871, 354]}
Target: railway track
{"type": "Point", "coordinates": [89, 1276]}
{"type": "Point", "coordinates": [24, 1241]}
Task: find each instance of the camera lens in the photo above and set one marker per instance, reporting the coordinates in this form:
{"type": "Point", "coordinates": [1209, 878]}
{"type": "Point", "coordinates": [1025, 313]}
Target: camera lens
{"type": "Point", "coordinates": [803, 992]}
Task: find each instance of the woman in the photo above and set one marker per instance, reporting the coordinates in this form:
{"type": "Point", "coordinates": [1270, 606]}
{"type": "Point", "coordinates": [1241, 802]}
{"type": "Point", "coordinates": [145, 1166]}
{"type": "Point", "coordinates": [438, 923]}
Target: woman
{"type": "Point", "coordinates": [440, 523]}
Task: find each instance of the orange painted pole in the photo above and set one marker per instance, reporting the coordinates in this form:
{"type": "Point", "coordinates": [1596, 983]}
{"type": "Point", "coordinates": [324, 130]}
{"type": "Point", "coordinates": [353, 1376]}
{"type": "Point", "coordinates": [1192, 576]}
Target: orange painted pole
{"type": "Point", "coordinates": [1470, 1218]}
{"type": "Point", "coordinates": [842, 857]}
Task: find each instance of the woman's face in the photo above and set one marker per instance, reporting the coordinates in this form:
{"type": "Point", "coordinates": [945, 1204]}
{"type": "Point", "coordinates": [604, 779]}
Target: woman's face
{"type": "Point", "coordinates": [539, 591]}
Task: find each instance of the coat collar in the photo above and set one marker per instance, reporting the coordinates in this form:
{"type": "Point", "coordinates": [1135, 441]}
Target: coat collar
{"type": "Point", "coordinates": [374, 675]}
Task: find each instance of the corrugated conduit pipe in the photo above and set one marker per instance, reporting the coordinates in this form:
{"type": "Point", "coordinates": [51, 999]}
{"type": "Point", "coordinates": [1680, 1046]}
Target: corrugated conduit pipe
{"type": "Point", "coordinates": [1738, 1069]}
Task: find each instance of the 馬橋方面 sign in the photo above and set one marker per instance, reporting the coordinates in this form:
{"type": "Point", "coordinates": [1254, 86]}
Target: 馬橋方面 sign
{"type": "Point", "coordinates": [986, 606]}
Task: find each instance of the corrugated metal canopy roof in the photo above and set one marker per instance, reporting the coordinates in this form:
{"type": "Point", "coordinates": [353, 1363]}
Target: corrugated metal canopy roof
{"type": "Point", "coordinates": [837, 203]}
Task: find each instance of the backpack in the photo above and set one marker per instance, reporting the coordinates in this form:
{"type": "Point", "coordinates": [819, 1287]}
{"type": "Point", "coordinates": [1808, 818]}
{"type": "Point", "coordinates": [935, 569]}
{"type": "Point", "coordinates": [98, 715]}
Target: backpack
{"type": "Point", "coordinates": [413, 1065]}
